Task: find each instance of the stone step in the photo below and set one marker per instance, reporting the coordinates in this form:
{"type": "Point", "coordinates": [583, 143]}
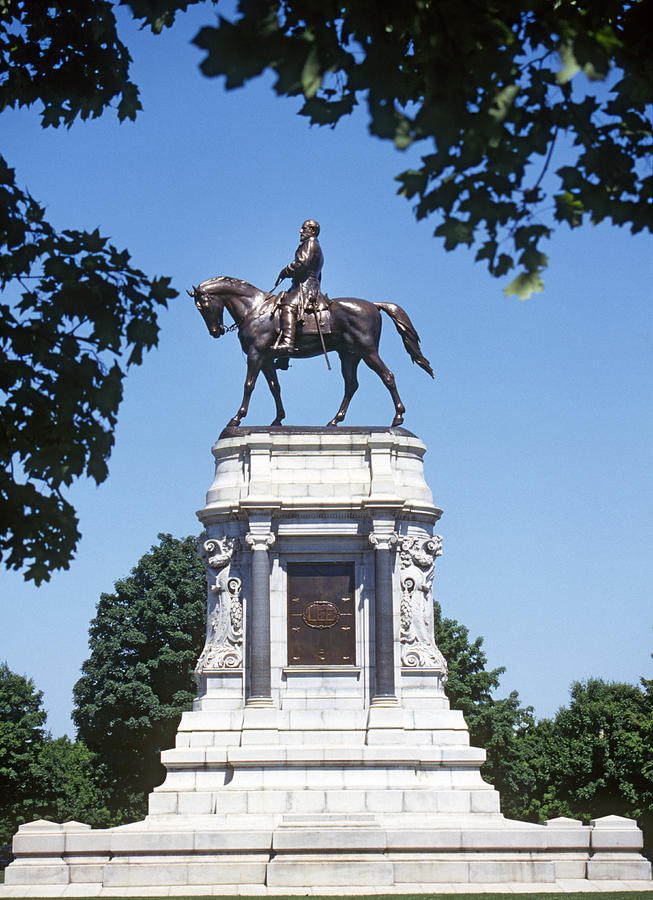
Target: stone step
{"type": "Point", "coordinates": [317, 801]}
{"type": "Point", "coordinates": [404, 737]}
{"type": "Point", "coordinates": [304, 831]}
{"type": "Point", "coordinates": [265, 755]}
{"type": "Point", "coordinates": [337, 870]}
{"type": "Point", "coordinates": [298, 849]}
{"type": "Point", "coordinates": [310, 719]}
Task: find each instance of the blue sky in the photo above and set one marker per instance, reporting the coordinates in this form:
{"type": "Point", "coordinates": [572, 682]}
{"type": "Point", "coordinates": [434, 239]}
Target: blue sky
{"type": "Point", "coordinates": [538, 425]}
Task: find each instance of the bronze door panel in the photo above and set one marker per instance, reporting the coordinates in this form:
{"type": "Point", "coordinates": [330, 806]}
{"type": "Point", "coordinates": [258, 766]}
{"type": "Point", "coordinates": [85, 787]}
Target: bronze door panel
{"type": "Point", "coordinates": [321, 614]}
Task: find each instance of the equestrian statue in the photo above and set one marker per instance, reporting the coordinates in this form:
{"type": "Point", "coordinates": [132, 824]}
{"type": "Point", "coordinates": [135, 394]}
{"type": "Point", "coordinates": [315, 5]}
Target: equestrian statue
{"type": "Point", "coordinates": [302, 322]}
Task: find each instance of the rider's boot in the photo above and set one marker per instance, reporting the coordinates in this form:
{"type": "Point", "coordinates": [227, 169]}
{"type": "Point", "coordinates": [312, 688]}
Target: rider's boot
{"type": "Point", "coordinates": [287, 342]}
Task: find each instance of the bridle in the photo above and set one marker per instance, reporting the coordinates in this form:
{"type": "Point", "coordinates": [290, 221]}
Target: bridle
{"type": "Point", "coordinates": [251, 316]}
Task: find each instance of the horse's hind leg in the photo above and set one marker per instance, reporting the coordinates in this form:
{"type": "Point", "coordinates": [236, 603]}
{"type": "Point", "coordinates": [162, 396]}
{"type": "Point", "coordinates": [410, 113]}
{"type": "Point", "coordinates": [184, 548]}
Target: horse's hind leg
{"type": "Point", "coordinates": [349, 365]}
{"type": "Point", "coordinates": [376, 364]}
{"type": "Point", "coordinates": [253, 368]}
{"type": "Point", "coordinates": [270, 372]}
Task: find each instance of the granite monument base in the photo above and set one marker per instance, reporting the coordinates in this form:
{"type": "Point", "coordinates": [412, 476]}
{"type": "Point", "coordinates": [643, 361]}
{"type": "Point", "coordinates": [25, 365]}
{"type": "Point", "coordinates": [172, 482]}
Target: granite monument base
{"type": "Point", "coordinates": [321, 754]}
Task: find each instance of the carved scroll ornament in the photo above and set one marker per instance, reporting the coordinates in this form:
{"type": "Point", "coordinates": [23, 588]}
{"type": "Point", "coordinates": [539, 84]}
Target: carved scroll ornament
{"type": "Point", "coordinates": [224, 639]}
{"type": "Point", "coordinates": [417, 561]}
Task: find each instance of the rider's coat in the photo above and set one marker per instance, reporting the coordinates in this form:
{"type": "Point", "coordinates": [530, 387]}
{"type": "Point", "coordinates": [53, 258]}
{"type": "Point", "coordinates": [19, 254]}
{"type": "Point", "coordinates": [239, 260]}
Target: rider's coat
{"type": "Point", "coordinates": [306, 273]}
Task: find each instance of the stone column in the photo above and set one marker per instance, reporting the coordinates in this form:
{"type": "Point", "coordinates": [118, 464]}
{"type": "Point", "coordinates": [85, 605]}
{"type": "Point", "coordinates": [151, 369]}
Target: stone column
{"type": "Point", "coordinates": [259, 673]}
{"type": "Point", "coordinates": [382, 539]}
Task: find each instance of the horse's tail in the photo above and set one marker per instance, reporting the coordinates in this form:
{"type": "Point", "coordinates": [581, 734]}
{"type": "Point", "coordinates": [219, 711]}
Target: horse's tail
{"type": "Point", "coordinates": [408, 334]}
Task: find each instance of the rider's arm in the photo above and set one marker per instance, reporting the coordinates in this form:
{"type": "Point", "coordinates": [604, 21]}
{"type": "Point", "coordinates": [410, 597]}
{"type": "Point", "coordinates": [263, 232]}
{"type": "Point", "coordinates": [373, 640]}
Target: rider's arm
{"type": "Point", "coordinates": [301, 264]}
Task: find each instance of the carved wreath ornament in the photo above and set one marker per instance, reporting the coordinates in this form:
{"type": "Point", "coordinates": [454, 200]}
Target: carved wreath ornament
{"type": "Point", "coordinates": [417, 561]}
{"type": "Point", "coordinates": [224, 639]}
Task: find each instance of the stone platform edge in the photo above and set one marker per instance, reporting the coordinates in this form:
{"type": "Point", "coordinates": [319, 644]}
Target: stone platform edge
{"type": "Point", "coordinates": [242, 430]}
{"type": "Point", "coordinates": [562, 886]}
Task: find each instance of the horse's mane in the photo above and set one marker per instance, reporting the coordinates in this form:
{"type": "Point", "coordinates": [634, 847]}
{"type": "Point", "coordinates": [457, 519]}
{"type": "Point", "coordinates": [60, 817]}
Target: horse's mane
{"type": "Point", "coordinates": [210, 282]}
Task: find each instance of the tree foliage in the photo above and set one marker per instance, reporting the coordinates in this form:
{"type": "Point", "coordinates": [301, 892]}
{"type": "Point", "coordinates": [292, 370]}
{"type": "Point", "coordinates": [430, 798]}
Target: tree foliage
{"type": "Point", "coordinates": [75, 313]}
{"type": "Point", "coordinates": [21, 734]}
{"type": "Point", "coordinates": [65, 785]}
{"type": "Point", "coordinates": [144, 642]}
{"type": "Point", "coordinates": [40, 777]}
{"type": "Point", "coordinates": [491, 91]}
{"type": "Point", "coordinates": [66, 57]}
{"type": "Point", "coordinates": [594, 758]}
{"type": "Point", "coordinates": [494, 724]}
{"type": "Point", "coordinates": [82, 308]}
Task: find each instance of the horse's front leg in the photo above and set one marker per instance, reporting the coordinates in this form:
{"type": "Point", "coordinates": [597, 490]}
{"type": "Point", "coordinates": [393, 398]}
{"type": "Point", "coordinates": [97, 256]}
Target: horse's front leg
{"type": "Point", "coordinates": [253, 368]}
{"type": "Point", "coordinates": [270, 372]}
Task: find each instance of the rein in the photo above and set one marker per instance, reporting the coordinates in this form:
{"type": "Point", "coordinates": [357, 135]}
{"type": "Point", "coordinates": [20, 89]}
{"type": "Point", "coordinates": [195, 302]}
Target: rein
{"type": "Point", "coordinates": [249, 318]}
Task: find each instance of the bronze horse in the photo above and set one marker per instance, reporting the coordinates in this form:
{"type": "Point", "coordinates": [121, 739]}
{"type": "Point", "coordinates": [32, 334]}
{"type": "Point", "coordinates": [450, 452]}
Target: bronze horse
{"type": "Point", "coordinates": [354, 335]}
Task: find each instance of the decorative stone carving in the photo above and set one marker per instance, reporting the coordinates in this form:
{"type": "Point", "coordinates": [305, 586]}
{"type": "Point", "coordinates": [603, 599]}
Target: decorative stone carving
{"type": "Point", "coordinates": [224, 639]}
{"type": "Point", "coordinates": [260, 541]}
{"type": "Point", "coordinates": [417, 561]}
{"type": "Point", "coordinates": [382, 540]}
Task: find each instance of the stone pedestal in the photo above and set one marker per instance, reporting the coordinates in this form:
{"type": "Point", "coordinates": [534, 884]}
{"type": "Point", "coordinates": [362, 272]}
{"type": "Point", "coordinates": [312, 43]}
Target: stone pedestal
{"type": "Point", "coordinates": [321, 751]}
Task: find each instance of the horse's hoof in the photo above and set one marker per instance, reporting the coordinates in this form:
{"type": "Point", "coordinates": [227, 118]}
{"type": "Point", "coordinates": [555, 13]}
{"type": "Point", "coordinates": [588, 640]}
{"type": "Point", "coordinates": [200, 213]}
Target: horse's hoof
{"type": "Point", "coordinates": [332, 423]}
{"type": "Point", "coordinates": [233, 423]}
{"type": "Point", "coordinates": [398, 420]}
{"type": "Point", "coordinates": [276, 423]}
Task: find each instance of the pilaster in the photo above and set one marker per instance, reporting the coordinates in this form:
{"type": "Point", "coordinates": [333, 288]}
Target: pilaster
{"type": "Point", "coordinates": [382, 538]}
{"type": "Point", "coordinates": [259, 539]}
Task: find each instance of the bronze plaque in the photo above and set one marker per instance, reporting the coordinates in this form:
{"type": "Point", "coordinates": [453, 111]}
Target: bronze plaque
{"type": "Point", "coordinates": [321, 614]}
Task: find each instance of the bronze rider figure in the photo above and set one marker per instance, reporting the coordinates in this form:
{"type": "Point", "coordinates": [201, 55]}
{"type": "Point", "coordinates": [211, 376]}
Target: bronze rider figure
{"type": "Point", "coordinates": [305, 270]}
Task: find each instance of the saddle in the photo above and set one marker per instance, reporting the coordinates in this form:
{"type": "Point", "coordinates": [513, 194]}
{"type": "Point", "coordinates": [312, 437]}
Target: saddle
{"type": "Point", "coordinates": [306, 323]}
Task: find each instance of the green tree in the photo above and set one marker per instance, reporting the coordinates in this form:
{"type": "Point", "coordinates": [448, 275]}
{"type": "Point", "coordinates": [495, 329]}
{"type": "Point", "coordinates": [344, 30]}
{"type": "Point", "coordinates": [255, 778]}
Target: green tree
{"type": "Point", "coordinates": [501, 96]}
{"type": "Point", "coordinates": [66, 785]}
{"type": "Point", "coordinates": [594, 758]}
{"type": "Point", "coordinates": [41, 778]}
{"type": "Point", "coordinates": [494, 724]}
{"type": "Point", "coordinates": [646, 819]}
{"type": "Point", "coordinates": [21, 736]}
{"type": "Point", "coordinates": [62, 349]}
{"type": "Point", "coordinates": [144, 642]}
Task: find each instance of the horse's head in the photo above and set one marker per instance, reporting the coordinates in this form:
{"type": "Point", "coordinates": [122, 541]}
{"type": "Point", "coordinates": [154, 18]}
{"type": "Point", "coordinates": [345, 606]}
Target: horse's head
{"type": "Point", "coordinates": [211, 307]}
